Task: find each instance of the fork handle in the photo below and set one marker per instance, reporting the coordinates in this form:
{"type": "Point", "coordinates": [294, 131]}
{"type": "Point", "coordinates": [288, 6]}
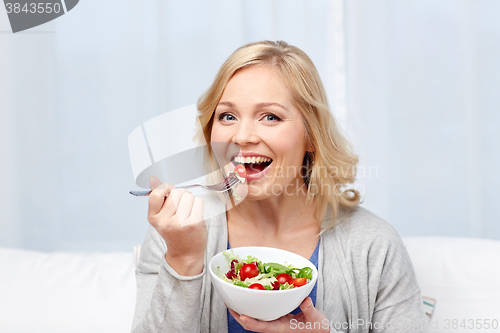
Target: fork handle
{"type": "Point", "coordinates": [147, 193]}
{"type": "Point", "coordinates": [140, 193]}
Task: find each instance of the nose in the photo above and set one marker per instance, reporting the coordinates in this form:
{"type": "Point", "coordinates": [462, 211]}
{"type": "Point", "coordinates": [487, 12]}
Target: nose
{"type": "Point", "coordinates": [245, 134]}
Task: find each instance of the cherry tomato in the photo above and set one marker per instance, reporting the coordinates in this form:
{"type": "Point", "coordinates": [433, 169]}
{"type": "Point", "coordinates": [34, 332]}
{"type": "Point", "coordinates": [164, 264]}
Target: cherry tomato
{"type": "Point", "coordinates": [240, 169]}
{"type": "Point", "coordinates": [257, 286]}
{"type": "Point", "coordinates": [298, 282]}
{"type": "Point", "coordinates": [284, 278]}
{"type": "Point", "coordinates": [248, 271]}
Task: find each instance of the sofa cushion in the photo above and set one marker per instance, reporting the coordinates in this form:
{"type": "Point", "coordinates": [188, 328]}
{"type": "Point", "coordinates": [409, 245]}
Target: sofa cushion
{"type": "Point", "coordinates": [66, 292]}
{"type": "Point", "coordinates": [95, 292]}
{"type": "Point", "coordinates": [462, 275]}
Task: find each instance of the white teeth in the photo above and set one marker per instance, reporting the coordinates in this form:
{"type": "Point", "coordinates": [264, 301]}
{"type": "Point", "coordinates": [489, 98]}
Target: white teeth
{"type": "Point", "coordinates": [258, 159]}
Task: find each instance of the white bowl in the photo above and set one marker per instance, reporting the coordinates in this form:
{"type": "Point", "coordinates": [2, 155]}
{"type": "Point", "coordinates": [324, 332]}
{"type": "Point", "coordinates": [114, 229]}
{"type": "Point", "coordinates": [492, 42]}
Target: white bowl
{"type": "Point", "coordinates": [261, 304]}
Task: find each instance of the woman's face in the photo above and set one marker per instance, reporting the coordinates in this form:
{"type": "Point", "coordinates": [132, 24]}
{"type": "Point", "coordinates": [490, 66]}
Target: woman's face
{"type": "Point", "coordinates": [256, 113]}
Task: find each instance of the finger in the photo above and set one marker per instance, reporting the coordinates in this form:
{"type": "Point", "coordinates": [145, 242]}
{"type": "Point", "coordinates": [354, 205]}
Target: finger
{"type": "Point", "coordinates": [154, 182]}
{"type": "Point", "coordinates": [196, 212]}
{"type": "Point", "coordinates": [308, 309]}
{"type": "Point", "coordinates": [252, 324]}
{"type": "Point", "coordinates": [255, 325]}
{"type": "Point", "coordinates": [172, 202]}
{"type": "Point", "coordinates": [233, 313]}
{"type": "Point", "coordinates": [237, 317]}
{"type": "Point", "coordinates": [184, 207]}
{"type": "Point", "coordinates": [156, 200]}
{"type": "Point", "coordinates": [306, 304]}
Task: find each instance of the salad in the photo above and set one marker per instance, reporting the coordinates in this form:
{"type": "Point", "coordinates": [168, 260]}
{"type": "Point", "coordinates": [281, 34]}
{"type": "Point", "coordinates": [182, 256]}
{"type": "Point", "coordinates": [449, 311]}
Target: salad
{"type": "Point", "coordinates": [240, 173]}
{"type": "Point", "coordinates": [254, 274]}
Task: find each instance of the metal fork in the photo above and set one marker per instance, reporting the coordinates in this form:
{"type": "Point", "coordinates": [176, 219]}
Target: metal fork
{"type": "Point", "coordinates": [228, 183]}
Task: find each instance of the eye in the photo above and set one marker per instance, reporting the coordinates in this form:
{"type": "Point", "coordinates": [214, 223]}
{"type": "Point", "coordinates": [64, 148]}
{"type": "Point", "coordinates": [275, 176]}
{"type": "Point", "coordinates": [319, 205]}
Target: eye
{"type": "Point", "coordinates": [271, 117]}
{"type": "Point", "coordinates": [226, 117]}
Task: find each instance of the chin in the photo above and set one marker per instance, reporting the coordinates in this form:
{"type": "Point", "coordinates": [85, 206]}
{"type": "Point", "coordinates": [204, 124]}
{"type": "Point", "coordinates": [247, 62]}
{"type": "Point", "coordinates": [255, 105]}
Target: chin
{"type": "Point", "coordinates": [263, 191]}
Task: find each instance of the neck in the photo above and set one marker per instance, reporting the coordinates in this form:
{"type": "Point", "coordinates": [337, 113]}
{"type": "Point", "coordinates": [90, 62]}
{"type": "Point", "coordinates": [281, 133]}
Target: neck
{"type": "Point", "coordinates": [277, 215]}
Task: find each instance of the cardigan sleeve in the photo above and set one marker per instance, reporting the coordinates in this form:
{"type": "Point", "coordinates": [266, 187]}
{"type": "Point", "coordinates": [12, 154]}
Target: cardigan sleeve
{"type": "Point", "coordinates": [398, 303]}
{"type": "Point", "coordinates": [407, 316]}
{"type": "Point", "coordinates": [377, 285]}
{"type": "Point", "coordinates": [166, 301]}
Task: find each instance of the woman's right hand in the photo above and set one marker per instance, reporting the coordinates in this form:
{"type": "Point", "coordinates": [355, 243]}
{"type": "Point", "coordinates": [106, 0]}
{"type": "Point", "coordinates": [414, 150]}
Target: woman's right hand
{"type": "Point", "coordinates": [178, 219]}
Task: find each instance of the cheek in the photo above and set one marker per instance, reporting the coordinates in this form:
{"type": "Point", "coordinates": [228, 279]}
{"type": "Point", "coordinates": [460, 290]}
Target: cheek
{"type": "Point", "coordinates": [290, 143]}
{"type": "Point", "coordinates": [218, 134]}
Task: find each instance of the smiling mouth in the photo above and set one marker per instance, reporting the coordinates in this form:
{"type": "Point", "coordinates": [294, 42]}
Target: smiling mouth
{"type": "Point", "coordinates": [253, 165]}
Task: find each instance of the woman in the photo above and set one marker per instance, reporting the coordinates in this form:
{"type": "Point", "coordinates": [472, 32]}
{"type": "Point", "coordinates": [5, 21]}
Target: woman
{"type": "Point", "coordinates": [268, 100]}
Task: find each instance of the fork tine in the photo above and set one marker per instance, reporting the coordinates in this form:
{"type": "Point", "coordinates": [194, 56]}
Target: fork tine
{"type": "Point", "coordinates": [230, 177]}
{"type": "Point", "coordinates": [234, 182]}
{"type": "Point", "coordinates": [231, 182]}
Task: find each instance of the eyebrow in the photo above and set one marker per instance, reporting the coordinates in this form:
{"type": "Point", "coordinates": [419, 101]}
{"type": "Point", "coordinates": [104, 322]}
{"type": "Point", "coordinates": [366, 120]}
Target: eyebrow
{"type": "Point", "coordinates": [259, 105]}
{"type": "Point", "coordinates": [226, 104]}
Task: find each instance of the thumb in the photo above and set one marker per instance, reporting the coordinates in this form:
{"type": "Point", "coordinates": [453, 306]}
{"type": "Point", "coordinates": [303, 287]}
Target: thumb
{"type": "Point", "coordinates": [307, 307]}
{"type": "Point", "coordinates": [154, 182]}
{"type": "Point", "coordinates": [310, 312]}
{"type": "Point", "coordinates": [313, 315]}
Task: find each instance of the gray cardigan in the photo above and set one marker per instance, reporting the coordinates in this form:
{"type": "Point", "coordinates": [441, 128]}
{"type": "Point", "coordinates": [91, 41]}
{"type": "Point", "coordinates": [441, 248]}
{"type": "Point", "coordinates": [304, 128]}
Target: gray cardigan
{"type": "Point", "coordinates": [366, 281]}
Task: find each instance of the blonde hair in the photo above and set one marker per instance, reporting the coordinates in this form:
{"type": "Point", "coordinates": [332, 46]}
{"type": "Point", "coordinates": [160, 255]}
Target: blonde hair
{"type": "Point", "coordinates": [332, 163]}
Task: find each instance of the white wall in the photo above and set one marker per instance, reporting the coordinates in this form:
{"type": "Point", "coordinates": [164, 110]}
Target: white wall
{"type": "Point", "coordinates": [422, 83]}
{"type": "Point", "coordinates": [421, 90]}
{"type": "Point", "coordinates": [73, 89]}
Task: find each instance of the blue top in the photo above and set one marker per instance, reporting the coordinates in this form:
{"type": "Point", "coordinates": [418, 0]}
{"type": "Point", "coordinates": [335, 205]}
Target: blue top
{"type": "Point", "coordinates": [234, 327]}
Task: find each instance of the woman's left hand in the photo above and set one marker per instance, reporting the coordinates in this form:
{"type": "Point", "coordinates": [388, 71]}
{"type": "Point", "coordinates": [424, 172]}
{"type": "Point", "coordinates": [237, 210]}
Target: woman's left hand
{"type": "Point", "coordinates": [302, 322]}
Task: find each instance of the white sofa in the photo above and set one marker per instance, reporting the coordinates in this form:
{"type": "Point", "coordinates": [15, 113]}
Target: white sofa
{"type": "Point", "coordinates": [67, 292]}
